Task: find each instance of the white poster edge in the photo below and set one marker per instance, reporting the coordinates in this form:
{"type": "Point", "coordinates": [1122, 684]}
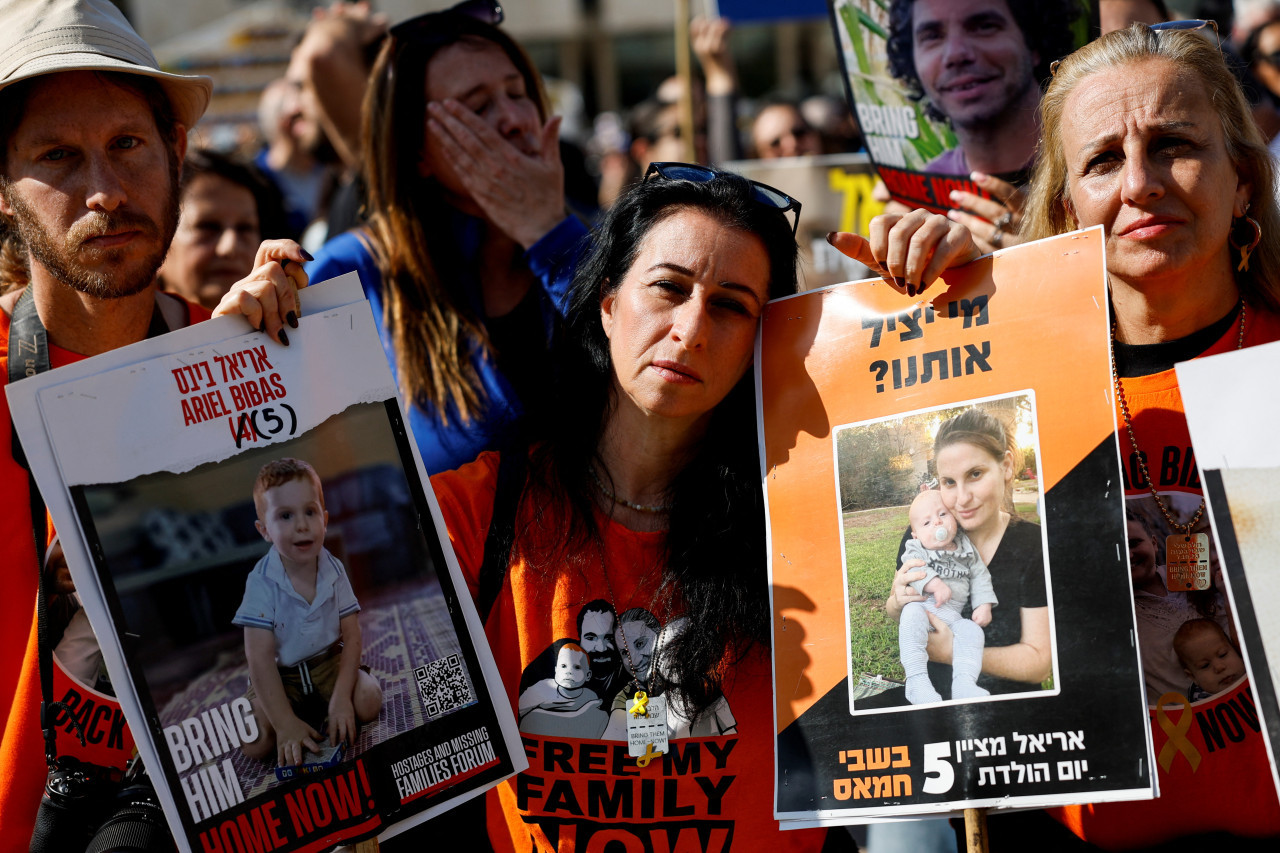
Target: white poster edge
{"type": "Point", "coordinates": [340, 292]}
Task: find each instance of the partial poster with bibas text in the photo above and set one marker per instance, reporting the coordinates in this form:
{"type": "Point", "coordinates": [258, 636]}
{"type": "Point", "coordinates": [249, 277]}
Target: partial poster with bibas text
{"type": "Point", "coordinates": [254, 542]}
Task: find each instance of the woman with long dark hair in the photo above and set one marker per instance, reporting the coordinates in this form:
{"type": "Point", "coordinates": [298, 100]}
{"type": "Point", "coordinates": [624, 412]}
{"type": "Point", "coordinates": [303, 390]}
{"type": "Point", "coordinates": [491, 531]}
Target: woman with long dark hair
{"type": "Point", "coordinates": [466, 251]}
{"type": "Point", "coordinates": [644, 492]}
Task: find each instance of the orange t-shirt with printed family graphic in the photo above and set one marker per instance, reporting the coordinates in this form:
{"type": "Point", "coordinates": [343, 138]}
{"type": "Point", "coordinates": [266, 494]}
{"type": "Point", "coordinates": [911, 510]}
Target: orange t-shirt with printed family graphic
{"type": "Point", "coordinates": [1211, 758]}
{"type": "Point", "coordinates": [552, 634]}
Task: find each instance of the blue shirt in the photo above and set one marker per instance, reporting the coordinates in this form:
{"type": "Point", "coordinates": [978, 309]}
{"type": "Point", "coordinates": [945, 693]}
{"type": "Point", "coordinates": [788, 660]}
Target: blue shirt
{"type": "Point", "coordinates": [302, 628]}
{"type": "Point", "coordinates": [552, 260]}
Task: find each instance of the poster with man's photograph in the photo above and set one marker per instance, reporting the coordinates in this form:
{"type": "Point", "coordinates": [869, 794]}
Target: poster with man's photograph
{"type": "Point", "coordinates": [905, 501]}
{"type": "Point", "coordinates": [945, 88]}
{"type": "Point", "coordinates": [952, 618]}
{"type": "Point", "coordinates": [1233, 430]}
{"type": "Point", "coordinates": [282, 620]}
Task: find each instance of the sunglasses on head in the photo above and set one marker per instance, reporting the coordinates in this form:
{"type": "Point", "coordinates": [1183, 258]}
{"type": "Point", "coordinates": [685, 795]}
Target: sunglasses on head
{"type": "Point", "coordinates": [486, 11]}
{"type": "Point", "coordinates": [1206, 29]}
{"type": "Point", "coordinates": [764, 194]}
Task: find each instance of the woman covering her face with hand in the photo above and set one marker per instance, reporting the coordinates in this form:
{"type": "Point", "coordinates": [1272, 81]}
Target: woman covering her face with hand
{"type": "Point", "coordinates": [1146, 133]}
{"type": "Point", "coordinates": [467, 250]}
{"type": "Point", "coordinates": [641, 506]}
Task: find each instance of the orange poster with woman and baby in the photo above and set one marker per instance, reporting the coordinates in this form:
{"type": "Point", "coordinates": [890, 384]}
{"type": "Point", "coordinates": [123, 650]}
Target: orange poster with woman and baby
{"type": "Point", "coordinates": [948, 563]}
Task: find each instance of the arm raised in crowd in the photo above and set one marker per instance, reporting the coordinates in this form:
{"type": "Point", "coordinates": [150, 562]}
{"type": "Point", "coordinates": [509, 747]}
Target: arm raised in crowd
{"type": "Point", "coordinates": [709, 38]}
{"type": "Point", "coordinates": [331, 62]}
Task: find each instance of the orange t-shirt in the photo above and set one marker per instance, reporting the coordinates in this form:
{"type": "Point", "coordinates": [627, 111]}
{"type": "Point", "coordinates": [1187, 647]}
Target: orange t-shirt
{"type": "Point", "coordinates": [1212, 769]}
{"type": "Point", "coordinates": [22, 764]}
{"type": "Point", "coordinates": [712, 790]}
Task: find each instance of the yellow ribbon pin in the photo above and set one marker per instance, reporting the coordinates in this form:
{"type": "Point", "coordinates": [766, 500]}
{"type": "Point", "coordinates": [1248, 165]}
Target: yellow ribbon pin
{"type": "Point", "coordinates": [649, 755]}
{"type": "Point", "coordinates": [641, 706]}
{"type": "Point", "coordinates": [1178, 741]}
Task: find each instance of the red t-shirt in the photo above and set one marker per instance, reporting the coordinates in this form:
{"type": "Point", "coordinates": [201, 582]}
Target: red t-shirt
{"type": "Point", "coordinates": [1213, 771]}
{"type": "Point", "coordinates": [22, 763]}
{"type": "Point", "coordinates": [713, 790]}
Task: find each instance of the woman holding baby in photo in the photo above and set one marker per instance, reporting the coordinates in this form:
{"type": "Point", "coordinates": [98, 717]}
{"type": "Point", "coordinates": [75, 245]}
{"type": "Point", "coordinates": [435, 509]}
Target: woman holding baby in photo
{"type": "Point", "coordinates": [974, 455]}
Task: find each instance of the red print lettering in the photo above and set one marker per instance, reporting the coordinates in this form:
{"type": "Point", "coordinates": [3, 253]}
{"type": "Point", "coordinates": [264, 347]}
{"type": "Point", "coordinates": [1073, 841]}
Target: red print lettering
{"type": "Point", "coordinates": [299, 816]}
{"type": "Point", "coordinates": [230, 369]}
{"type": "Point", "coordinates": [943, 187]}
{"type": "Point", "coordinates": [257, 831]}
{"type": "Point", "coordinates": [203, 367]}
{"type": "Point", "coordinates": [180, 377]}
{"type": "Point", "coordinates": [258, 355]}
{"type": "Point", "coordinates": [256, 392]}
{"type": "Point", "coordinates": [906, 184]}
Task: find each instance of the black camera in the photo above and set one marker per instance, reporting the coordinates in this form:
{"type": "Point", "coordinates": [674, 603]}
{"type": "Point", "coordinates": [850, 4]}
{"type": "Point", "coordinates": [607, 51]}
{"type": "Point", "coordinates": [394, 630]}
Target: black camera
{"type": "Point", "coordinates": [99, 809]}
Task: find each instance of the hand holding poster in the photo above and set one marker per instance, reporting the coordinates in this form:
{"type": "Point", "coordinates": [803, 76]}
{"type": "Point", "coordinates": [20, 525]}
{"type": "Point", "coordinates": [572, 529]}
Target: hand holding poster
{"type": "Point", "coordinates": [271, 588]}
{"type": "Point", "coordinates": [945, 88]}
{"type": "Point", "coordinates": [965, 444]}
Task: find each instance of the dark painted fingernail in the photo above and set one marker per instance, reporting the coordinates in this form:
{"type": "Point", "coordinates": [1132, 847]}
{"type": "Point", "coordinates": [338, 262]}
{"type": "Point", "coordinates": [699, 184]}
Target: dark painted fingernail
{"type": "Point", "coordinates": [292, 319]}
{"type": "Point", "coordinates": [284, 337]}
{"type": "Point", "coordinates": [306, 254]}
{"type": "Point", "coordinates": [262, 325]}
{"type": "Point", "coordinates": [901, 282]}
{"type": "Point", "coordinates": [831, 237]}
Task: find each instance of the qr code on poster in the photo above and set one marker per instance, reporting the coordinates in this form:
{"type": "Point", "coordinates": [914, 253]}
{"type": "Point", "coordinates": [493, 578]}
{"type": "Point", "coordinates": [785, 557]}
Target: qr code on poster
{"type": "Point", "coordinates": [444, 686]}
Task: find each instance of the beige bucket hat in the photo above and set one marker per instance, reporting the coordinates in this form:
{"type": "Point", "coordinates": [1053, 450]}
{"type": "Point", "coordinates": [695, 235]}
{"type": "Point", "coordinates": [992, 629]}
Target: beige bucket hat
{"type": "Point", "coordinates": [48, 36]}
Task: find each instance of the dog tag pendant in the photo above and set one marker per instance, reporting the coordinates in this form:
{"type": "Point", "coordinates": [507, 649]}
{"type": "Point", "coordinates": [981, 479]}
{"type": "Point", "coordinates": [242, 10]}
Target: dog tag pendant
{"type": "Point", "coordinates": [1186, 557]}
{"type": "Point", "coordinates": [646, 725]}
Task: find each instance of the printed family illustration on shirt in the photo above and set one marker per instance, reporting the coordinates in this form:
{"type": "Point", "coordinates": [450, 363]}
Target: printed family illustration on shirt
{"type": "Point", "coordinates": [580, 687]}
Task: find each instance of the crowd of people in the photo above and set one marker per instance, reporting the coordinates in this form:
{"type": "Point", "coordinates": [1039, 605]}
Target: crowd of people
{"type": "Point", "coordinates": [575, 364]}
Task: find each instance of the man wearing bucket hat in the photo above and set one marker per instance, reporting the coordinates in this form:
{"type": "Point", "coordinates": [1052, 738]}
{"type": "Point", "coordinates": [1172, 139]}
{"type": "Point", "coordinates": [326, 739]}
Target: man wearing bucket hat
{"type": "Point", "coordinates": [92, 136]}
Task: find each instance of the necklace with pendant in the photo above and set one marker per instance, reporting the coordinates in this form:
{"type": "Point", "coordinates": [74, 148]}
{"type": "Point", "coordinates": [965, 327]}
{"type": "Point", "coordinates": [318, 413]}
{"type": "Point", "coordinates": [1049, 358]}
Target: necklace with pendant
{"type": "Point", "coordinates": [652, 509]}
{"type": "Point", "coordinates": [647, 735]}
{"type": "Point", "coordinates": [1186, 553]}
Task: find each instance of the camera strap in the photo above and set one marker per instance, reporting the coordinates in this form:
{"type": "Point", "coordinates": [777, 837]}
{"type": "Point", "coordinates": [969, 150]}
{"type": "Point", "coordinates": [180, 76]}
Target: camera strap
{"type": "Point", "coordinates": [28, 355]}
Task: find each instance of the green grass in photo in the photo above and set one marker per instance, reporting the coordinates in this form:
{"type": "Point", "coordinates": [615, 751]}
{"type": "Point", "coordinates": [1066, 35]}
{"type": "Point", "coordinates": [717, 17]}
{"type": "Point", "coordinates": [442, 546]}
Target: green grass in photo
{"type": "Point", "coordinates": [871, 540]}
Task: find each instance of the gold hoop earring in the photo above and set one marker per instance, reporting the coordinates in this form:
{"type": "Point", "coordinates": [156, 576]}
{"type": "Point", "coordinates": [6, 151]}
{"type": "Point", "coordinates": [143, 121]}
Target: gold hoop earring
{"type": "Point", "coordinates": [1245, 251]}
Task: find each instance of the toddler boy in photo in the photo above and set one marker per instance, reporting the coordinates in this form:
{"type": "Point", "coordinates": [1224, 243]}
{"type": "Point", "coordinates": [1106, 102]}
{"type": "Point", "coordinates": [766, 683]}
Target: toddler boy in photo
{"type": "Point", "coordinates": [301, 633]}
{"type": "Point", "coordinates": [1208, 657]}
{"type": "Point", "coordinates": [954, 576]}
